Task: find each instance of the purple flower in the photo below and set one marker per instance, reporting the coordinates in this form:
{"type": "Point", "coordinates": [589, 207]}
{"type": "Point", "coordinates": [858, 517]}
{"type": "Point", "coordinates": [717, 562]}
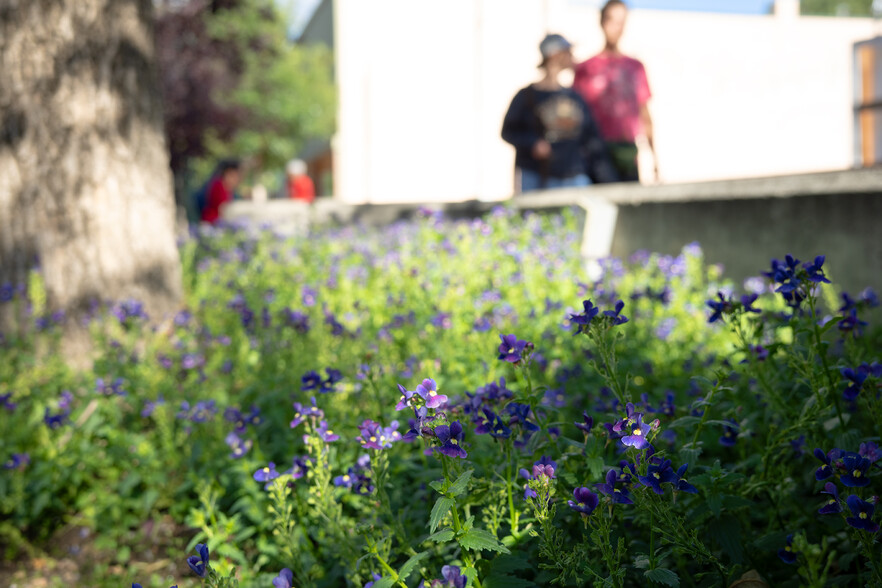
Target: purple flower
{"type": "Point", "coordinates": [514, 350]}
{"type": "Point", "coordinates": [682, 484]}
{"type": "Point", "coordinates": [285, 579]}
{"type": "Point", "coordinates": [658, 474]}
{"type": "Point", "coordinates": [587, 423]}
{"type": "Point", "coordinates": [855, 467]}
{"type": "Point", "coordinates": [616, 495]}
{"type": "Point", "coordinates": [635, 432]}
{"type": "Point", "coordinates": [302, 412]}
{"type": "Point", "coordinates": [730, 434]}
{"type": "Point", "coordinates": [814, 271]}
{"type": "Point", "coordinates": [850, 323]}
{"type": "Point", "coordinates": [870, 451]}
{"type": "Point", "coordinates": [150, 407]}
{"type": "Point", "coordinates": [6, 402]}
{"type": "Point", "coordinates": [747, 301]}
{"type": "Point", "coordinates": [17, 461]}
{"type": "Point", "coordinates": [296, 320]}
{"type": "Point", "coordinates": [267, 474]}
{"type": "Point", "coordinates": [787, 554]}
{"type": "Point", "coordinates": [583, 320]}
{"type": "Point", "coordinates": [428, 390]}
{"type": "Point", "coordinates": [826, 470]}
{"type": "Point", "coordinates": [832, 505]}
{"type": "Point", "coordinates": [492, 424]}
{"type": "Point", "coordinates": [329, 383]}
{"type": "Point", "coordinates": [326, 434]}
{"type": "Point", "coordinates": [109, 389]}
{"type": "Point", "coordinates": [862, 514]}
{"type": "Point", "coordinates": [128, 311]}
{"type": "Point", "coordinates": [199, 563]}
{"type": "Point", "coordinates": [299, 467]}
{"type": "Point", "coordinates": [238, 446]}
{"type": "Point", "coordinates": [585, 501]}
{"type": "Point", "coordinates": [720, 307]}
{"type": "Point", "coordinates": [311, 380]}
{"type": "Point", "coordinates": [855, 379]}
{"type": "Point", "coordinates": [616, 315]}
{"type": "Point", "coordinates": [374, 436]}
{"type": "Point", "coordinates": [451, 438]}
{"type": "Point", "coordinates": [453, 578]}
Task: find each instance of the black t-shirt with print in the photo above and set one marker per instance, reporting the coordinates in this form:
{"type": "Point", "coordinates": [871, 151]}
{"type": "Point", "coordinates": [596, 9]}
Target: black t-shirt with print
{"type": "Point", "coordinates": [562, 118]}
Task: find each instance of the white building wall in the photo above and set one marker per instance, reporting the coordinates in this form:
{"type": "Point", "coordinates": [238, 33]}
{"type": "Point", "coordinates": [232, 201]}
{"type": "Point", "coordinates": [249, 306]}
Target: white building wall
{"type": "Point", "coordinates": [424, 85]}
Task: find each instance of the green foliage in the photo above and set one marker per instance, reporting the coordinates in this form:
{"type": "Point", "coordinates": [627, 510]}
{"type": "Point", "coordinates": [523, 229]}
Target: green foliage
{"type": "Point", "coordinates": [285, 92]}
{"type": "Point", "coordinates": [836, 7]}
{"type": "Point", "coordinates": [266, 311]}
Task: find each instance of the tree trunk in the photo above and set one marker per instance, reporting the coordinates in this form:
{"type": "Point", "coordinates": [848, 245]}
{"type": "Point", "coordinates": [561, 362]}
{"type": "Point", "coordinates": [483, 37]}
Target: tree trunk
{"type": "Point", "coordinates": [85, 185]}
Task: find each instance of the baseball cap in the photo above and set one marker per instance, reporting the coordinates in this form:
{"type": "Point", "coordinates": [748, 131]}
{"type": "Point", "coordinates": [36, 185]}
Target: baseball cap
{"type": "Point", "coordinates": [553, 44]}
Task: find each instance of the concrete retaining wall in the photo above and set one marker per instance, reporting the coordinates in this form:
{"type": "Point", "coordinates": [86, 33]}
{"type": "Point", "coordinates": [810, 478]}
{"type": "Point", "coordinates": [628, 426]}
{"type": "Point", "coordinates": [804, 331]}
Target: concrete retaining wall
{"type": "Point", "coordinates": [742, 224]}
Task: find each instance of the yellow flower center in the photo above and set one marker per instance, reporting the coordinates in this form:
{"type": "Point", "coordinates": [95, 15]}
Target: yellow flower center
{"type": "Point", "coordinates": [657, 476]}
{"type": "Point", "coordinates": [346, 478]}
{"type": "Point", "coordinates": [329, 432]}
{"type": "Point", "coordinates": [373, 439]}
{"type": "Point", "coordinates": [856, 473]}
{"type": "Point", "coordinates": [638, 432]}
{"type": "Point", "coordinates": [863, 515]}
{"type": "Point", "coordinates": [452, 440]}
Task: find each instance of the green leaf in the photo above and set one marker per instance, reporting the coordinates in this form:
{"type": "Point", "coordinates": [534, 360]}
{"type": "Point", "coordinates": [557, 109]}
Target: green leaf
{"type": "Point", "coordinates": [572, 442]}
{"type": "Point", "coordinates": [684, 421]}
{"type": "Point", "coordinates": [595, 467]}
{"type": "Point", "coordinates": [477, 539]}
{"type": "Point", "coordinates": [505, 564]}
{"type": "Point", "coordinates": [441, 508]}
{"type": "Point", "coordinates": [663, 576]}
{"type": "Point", "coordinates": [410, 564]}
{"type": "Point", "coordinates": [441, 536]}
{"type": "Point", "coordinates": [727, 532]}
{"type": "Point", "coordinates": [471, 573]}
{"type": "Point", "coordinates": [384, 582]}
{"type": "Point", "coordinates": [438, 485]}
{"type": "Point", "coordinates": [461, 484]}
{"type": "Point", "coordinates": [502, 581]}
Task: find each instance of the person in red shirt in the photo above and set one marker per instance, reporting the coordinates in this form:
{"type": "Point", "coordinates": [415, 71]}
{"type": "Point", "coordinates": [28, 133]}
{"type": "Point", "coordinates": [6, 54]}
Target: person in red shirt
{"type": "Point", "coordinates": [615, 87]}
{"type": "Point", "coordinates": [220, 189]}
{"type": "Point", "coordinates": [300, 185]}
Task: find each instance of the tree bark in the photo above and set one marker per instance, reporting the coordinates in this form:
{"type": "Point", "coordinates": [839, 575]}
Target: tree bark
{"type": "Point", "coordinates": [85, 185]}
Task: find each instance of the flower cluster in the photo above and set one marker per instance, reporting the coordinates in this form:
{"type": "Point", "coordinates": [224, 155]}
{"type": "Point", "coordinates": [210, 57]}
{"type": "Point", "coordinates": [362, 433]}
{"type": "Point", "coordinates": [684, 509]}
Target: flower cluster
{"type": "Point", "coordinates": [357, 478]}
{"type": "Point", "coordinates": [301, 413]}
{"type": "Point", "coordinates": [128, 312]}
{"type": "Point", "coordinates": [539, 478]}
{"type": "Point", "coordinates": [856, 378]}
{"type": "Point", "coordinates": [54, 420]}
{"type": "Point", "coordinates": [313, 381]}
{"type": "Point", "coordinates": [374, 436]}
{"type": "Point", "coordinates": [726, 305]}
{"type": "Point", "coordinates": [611, 318]}
{"type": "Point", "coordinates": [110, 388]}
{"type": "Point", "coordinates": [795, 280]}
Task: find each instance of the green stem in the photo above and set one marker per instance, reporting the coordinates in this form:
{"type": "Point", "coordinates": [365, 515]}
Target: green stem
{"type": "Point", "coordinates": [831, 386]}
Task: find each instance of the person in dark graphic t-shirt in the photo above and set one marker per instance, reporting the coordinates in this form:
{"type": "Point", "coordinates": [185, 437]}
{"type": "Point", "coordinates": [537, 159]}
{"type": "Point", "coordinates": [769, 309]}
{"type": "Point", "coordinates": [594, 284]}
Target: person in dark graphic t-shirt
{"type": "Point", "coordinates": [556, 140]}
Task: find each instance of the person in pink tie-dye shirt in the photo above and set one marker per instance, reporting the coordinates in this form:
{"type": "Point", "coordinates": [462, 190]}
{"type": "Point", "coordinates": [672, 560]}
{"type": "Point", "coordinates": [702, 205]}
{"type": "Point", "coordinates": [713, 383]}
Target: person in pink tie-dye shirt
{"type": "Point", "coordinates": [617, 91]}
